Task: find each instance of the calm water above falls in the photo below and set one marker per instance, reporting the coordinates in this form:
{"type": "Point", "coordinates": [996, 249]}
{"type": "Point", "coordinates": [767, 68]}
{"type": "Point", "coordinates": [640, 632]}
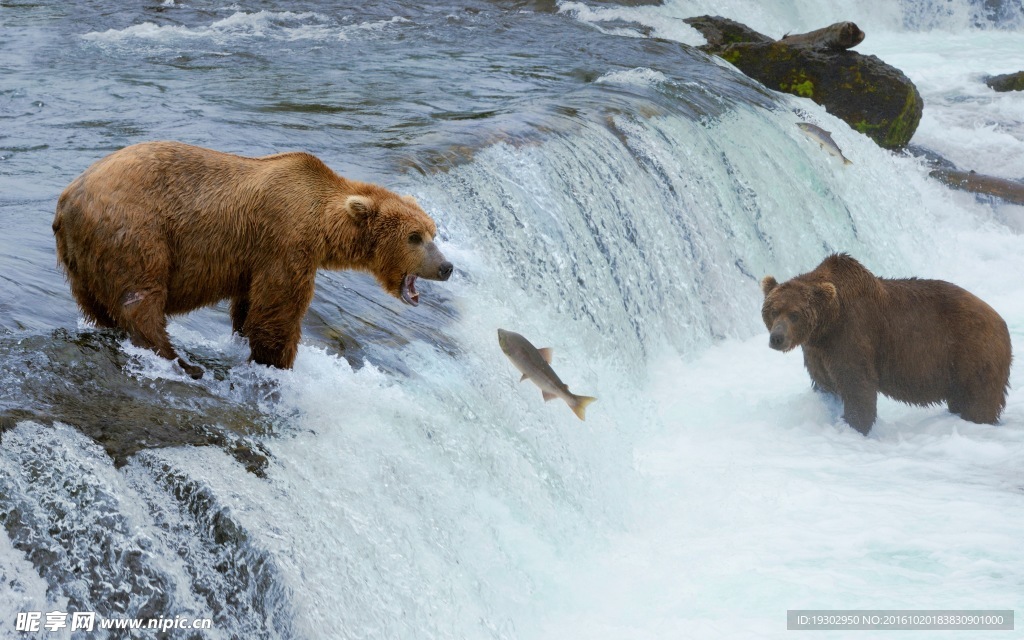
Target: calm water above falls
{"type": "Point", "coordinates": [611, 194]}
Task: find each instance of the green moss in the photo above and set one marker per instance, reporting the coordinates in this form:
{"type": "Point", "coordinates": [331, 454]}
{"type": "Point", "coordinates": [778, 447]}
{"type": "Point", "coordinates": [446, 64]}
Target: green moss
{"type": "Point", "coordinates": [905, 124]}
{"type": "Point", "coordinates": [799, 84]}
{"type": "Point", "coordinates": [731, 56]}
{"type": "Point", "coordinates": [805, 89]}
{"type": "Point", "coordinates": [780, 53]}
{"type": "Point", "coordinates": [893, 133]}
{"type": "Point", "coordinates": [865, 127]}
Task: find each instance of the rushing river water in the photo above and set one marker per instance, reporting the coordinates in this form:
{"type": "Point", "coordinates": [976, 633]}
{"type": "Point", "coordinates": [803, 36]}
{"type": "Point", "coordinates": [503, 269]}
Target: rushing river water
{"type": "Point", "coordinates": [603, 188]}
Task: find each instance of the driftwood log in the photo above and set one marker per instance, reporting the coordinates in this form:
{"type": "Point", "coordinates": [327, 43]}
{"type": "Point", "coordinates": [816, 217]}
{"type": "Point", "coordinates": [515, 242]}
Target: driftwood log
{"type": "Point", "coordinates": [1008, 190]}
{"type": "Point", "coordinates": [869, 95]}
{"type": "Point", "coordinates": [841, 35]}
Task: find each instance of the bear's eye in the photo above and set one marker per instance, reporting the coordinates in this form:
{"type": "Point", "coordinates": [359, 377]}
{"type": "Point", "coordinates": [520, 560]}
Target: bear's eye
{"type": "Point", "coordinates": [415, 238]}
{"type": "Point", "coordinates": [793, 316]}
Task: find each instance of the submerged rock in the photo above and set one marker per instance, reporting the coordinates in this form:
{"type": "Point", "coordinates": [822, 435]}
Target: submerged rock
{"type": "Point", "coordinates": [872, 97]}
{"type": "Point", "coordinates": [1007, 82]}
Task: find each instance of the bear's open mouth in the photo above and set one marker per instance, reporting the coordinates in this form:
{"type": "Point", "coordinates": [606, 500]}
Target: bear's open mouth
{"type": "Point", "coordinates": [409, 293]}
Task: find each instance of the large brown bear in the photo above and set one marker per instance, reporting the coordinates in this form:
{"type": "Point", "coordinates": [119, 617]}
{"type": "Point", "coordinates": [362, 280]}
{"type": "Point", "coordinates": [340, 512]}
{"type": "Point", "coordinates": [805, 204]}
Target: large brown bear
{"type": "Point", "coordinates": [918, 341]}
{"type": "Point", "coordinates": [162, 228]}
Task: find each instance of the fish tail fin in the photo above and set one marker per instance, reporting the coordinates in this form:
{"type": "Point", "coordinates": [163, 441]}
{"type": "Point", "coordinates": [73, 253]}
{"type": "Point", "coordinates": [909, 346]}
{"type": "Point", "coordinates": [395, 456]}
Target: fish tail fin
{"type": "Point", "coordinates": [847, 161]}
{"type": "Point", "coordinates": [579, 405]}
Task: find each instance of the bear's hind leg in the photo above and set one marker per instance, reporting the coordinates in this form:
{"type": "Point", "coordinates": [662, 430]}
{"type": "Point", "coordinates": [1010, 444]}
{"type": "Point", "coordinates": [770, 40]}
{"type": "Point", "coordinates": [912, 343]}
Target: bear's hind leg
{"type": "Point", "coordinates": [142, 314]}
{"type": "Point", "coordinates": [980, 405]}
{"type": "Point", "coordinates": [92, 309]}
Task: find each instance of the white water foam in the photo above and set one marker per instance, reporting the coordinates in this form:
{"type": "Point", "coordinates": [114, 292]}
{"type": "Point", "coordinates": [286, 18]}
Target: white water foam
{"type": "Point", "coordinates": [241, 25]}
{"type": "Point", "coordinates": [964, 120]}
{"type": "Point", "coordinates": [662, 24]}
{"type": "Point", "coordinates": [21, 588]}
{"type": "Point", "coordinates": [637, 76]}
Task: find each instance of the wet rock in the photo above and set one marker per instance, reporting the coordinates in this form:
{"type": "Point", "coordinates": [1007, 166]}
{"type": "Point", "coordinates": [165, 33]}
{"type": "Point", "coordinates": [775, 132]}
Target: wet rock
{"type": "Point", "coordinates": [872, 97]}
{"type": "Point", "coordinates": [1006, 82]}
{"type": "Point", "coordinates": [80, 380]}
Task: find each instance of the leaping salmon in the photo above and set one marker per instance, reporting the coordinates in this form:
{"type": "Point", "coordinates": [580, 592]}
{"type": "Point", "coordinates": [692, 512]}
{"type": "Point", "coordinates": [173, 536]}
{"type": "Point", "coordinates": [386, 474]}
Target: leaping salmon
{"type": "Point", "coordinates": [824, 138]}
{"type": "Point", "coordinates": [535, 365]}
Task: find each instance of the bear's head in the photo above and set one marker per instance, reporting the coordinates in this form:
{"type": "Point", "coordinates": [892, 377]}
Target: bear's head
{"type": "Point", "coordinates": [796, 310]}
{"type": "Point", "coordinates": [400, 238]}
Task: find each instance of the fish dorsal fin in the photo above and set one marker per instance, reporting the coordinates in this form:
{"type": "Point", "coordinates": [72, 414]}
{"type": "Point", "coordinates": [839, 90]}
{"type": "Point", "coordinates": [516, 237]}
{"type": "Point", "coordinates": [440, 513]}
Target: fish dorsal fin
{"type": "Point", "coordinates": [826, 132]}
{"type": "Point", "coordinates": [547, 396]}
{"type": "Point", "coordinates": [524, 377]}
{"type": "Point", "coordinates": [546, 354]}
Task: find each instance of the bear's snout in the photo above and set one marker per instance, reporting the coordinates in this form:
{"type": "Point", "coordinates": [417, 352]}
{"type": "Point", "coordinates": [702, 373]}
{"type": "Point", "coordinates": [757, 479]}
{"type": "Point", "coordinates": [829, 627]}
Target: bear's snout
{"type": "Point", "coordinates": [777, 339]}
{"type": "Point", "coordinates": [435, 266]}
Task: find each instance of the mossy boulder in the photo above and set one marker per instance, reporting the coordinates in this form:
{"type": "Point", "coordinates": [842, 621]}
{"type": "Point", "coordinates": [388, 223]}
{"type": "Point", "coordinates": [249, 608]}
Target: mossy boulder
{"type": "Point", "coordinates": [1007, 82]}
{"type": "Point", "coordinates": [871, 96]}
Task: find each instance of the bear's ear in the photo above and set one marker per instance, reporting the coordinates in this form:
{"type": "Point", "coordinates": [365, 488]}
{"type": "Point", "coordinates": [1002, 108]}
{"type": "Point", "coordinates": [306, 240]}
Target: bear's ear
{"type": "Point", "coordinates": [411, 200]}
{"type": "Point", "coordinates": [767, 284]}
{"type": "Point", "coordinates": [828, 292]}
{"type": "Point", "coordinates": [359, 207]}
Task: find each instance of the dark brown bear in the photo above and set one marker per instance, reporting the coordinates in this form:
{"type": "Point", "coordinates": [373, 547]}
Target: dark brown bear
{"type": "Point", "coordinates": [162, 228]}
{"type": "Point", "coordinates": [918, 341]}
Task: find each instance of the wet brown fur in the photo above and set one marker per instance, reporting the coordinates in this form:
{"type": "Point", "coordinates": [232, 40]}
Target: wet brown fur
{"type": "Point", "coordinates": [162, 228]}
{"type": "Point", "coordinates": [918, 341]}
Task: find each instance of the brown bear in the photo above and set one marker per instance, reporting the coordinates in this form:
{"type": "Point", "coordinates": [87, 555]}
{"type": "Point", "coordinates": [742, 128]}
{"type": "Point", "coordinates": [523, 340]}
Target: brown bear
{"type": "Point", "coordinates": [918, 341]}
{"type": "Point", "coordinates": [162, 228]}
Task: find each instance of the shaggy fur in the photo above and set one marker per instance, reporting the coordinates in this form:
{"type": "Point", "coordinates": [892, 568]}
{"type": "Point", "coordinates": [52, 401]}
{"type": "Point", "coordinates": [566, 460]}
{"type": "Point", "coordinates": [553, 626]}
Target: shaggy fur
{"type": "Point", "coordinates": [918, 341]}
{"type": "Point", "coordinates": [163, 228]}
